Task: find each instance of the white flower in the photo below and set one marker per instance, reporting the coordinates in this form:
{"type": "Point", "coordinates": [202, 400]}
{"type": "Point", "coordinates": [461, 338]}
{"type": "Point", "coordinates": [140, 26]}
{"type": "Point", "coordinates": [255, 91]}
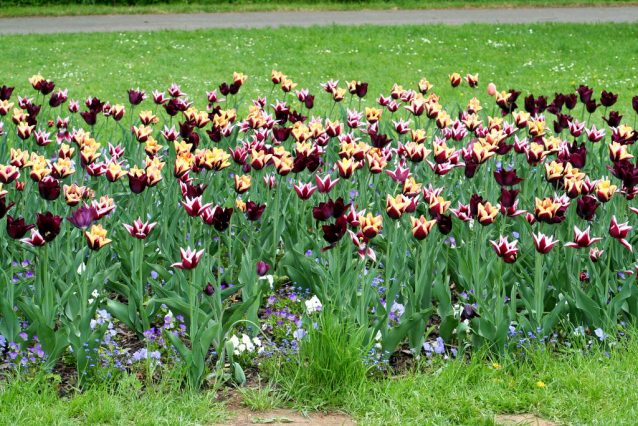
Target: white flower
{"type": "Point", "coordinates": [313, 305]}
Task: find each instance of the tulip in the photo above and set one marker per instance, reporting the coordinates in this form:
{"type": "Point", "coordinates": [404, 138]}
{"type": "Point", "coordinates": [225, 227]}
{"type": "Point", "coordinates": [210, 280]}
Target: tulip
{"type": "Point", "coordinates": [242, 183]}
{"type": "Point", "coordinates": [605, 190]}
{"type": "Point", "coordinates": [586, 207]}
{"type": "Point", "coordinates": [505, 250]}
{"type": "Point", "coordinates": [472, 80]}
{"type": "Point", "coordinates": [595, 254]}
{"type": "Point", "coordinates": [400, 174]}
{"type": "Point", "coordinates": [8, 174]}
{"type": "Point", "coordinates": [346, 168]}
{"type": "Point", "coordinates": [190, 259]}
{"type": "Point", "coordinates": [4, 207]}
{"type": "Point", "coordinates": [17, 228]}
{"type": "Point", "coordinates": [455, 79]}
{"type": "Point", "coordinates": [48, 226]}
{"type": "Point", "coordinates": [254, 211]}
{"type": "Point", "coordinates": [507, 177]}
{"type": "Point", "coordinates": [486, 213]}
{"type": "Point", "coordinates": [619, 231]}
{"type": "Point", "coordinates": [333, 233]}
{"type": "Point", "coordinates": [49, 188]}
{"type": "Point", "coordinates": [608, 99]}
{"type": "Point", "coordinates": [582, 239]}
{"type": "Point", "coordinates": [218, 217]}
{"type": "Point", "coordinates": [370, 225]}
{"type": "Point", "coordinates": [36, 240]}
{"type": "Point", "coordinates": [491, 89]}
{"type": "Point", "coordinates": [96, 237]}
{"type": "Point", "coordinates": [395, 207]}
{"type": "Point", "coordinates": [305, 190]}
{"type": "Point", "coordinates": [82, 217]}
{"type": "Point", "coordinates": [136, 96]}
{"type": "Point", "coordinates": [194, 206]}
{"type": "Point", "coordinates": [139, 229]}
{"type": "Point", "coordinates": [262, 268]}
{"type": "Point", "coordinates": [421, 227]}
{"type": "Point", "coordinates": [330, 209]}
{"type": "Point", "coordinates": [544, 243]}
{"type": "Point", "coordinates": [325, 184]}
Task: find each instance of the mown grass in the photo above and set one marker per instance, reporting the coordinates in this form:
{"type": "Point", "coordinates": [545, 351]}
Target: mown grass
{"type": "Point", "coordinates": [539, 58]}
{"type": "Point", "coordinates": [595, 388]}
{"type": "Point", "coordinates": [9, 9]}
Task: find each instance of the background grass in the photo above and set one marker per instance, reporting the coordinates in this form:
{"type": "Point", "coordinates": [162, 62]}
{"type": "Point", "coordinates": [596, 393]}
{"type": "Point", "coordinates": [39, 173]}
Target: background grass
{"type": "Point", "coordinates": [14, 8]}
{"type": "Point", "coordinates": [539, 58]}
{"type": "Point", "coordinates": [595, 388]}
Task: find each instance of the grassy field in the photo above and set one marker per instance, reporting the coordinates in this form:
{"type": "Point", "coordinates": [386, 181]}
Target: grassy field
{"type": "Point", "coordinates": [539, 58]}
{"type": "Point", "coordinates": [10, 10]}
{"type": "Point", "coordinates": [579, 389]}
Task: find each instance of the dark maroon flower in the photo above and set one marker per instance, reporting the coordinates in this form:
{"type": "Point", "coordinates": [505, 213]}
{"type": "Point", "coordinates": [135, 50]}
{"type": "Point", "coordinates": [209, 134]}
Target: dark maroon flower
{"type": "Point", "coordinates": [309, 101]}
{"type": "Point", "coordinates": [470, 168]}
{"type": "Point", "coordinates": [82, 217]}
{"type": "Point", "coordinates": [192, 191]}
{"type": "Point", "coordinates": [172, 107]}
{"type": "Point", "coordinates": [586, 207]}
{"type": "Point", "coordinates": [215, 134]}
{"type": "Point", "coordinates": [578, 155]}
{"type": "Point", "coordinates": [4, 207]}
{"type": "Point", "coordinates": [262, 268]}
{"type": "Point", "coordinates": [570, 100]}
{"type": "Point", "coordinates": [295, 116]}
{"type": "Point", "coordinates": [634, 103]}
{"type": "Point", "coordinates": [90, 117]}
{"type": "Point", "coordinates": [507, 177]}
{"type": "Point", "coordinates": [614, 119]}
{"type": "Point", "coordinates": [48, 225]}
{"type": "Point", "coordinates": [626, 172]}
{"type": "Point", "coordinates": [585, 93]}
{"type": "Point", "coordinates": [330, 209]}
{"type": "Point", "coordinates": [361, 89]}
{"type": "Point", "coordinates": [224, 89]}
{"type": "Point", "coordinates": [47, 87]}
{"type": "Point", "coordinates": [380, 140]}
{"type": "Point", "coordinates": [608, 99]}
{"type": "Point", "coordinates": [332, 233]}
{"type": "Point", "coordinates": [58, 98]}
{"type": "Point", "coordinates": [209, 290]}
{"type": "Point", "coordinates": [468, 312]}
{"type": "Point", "coordinates": [444, 223]}
{"type": "Point", "coordinates": [591, 106]}
{"type": "Point", "coordinates": [508, 197]}
{"type": "Point", "coordinates": [5, 93]}
{"type": "Point", "coordinates": [137, 184]}
{"type": "Point", "coordinates": [17, 228]}
{"type": "Point", "coordinates": [219, 217]}
{"type": "Point", "coordinates": [281, 134]}
{"type": "Point", "coordinates": [49, 188]}
{"type": "Point", "coordinates": [254, 210]}
{"type": "Point", "coordinates": [136, 96]}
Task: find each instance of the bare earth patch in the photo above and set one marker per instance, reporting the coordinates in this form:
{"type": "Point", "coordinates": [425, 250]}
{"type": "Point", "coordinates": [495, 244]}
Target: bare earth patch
{"type": "Point", "coordinates": [245, 417]}
{"type": "Point", "coordinates": [521, 420]}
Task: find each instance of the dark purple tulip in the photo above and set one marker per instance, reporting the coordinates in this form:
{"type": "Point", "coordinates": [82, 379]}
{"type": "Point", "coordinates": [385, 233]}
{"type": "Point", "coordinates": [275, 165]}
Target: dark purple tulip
{"type": "Point", "coordinates": [608, 99]}
{"type": "Point", "coordinates": [614, 119]}
{"type": "Point", "coordinates": [508, 197]}
{"type": "Point", "coordinates": [47, 87]}
{"type": "Point", "coordinates": [634, 103]}
{"type": "Point", "coordinates": [94, 104]}
{"type": "Point", "coordinates": [626, 172]}
{"type": "Point", "coordinates": [332, 233]}
{"type": "Point", "coordinates": [586, 207]}
{"type": "Point", "coordinates": [33, 110]}
{"type": "Point", "coordinates": [591, 106]}
{"type": "Point", "coordinates": [57, 99]}
{"type": "Point", "coordinates": [507, 177]}
{"type": "Point", "coordinates": [90, 117]}
{"type": "Point", "coordinates": [468, 312]}
{"type": "Point", "coordinates": [193, 191]}
{"type": "Point", "coordinates": [281, 134]}
{"type": "Point", "coordinates": [82, 217]}
{"type": "Point", "coordinates": [137, 184]}
{"type": "Point", "coordinates": [444, 223]}
{"type": "Point", "coordinates": [362, 89]}
{"type": "Point", "coordinates": [5, 93]}
{"type": "Point", "coordinates": [470, 168]}
{"type": "Point", "coordinates": [4, 207]}
{"type": "Point", "coordinates": [295, 116]}
{"type": "Point", "coordinates": [254, 210]}
{"type": "Point", "coordinates": [262, 268]}
{"type": "Point", "coordinates": [48, 225]}
{"type": "Point", "coordinates": [309, 101]}
{"type": "Point", "coordinates": [219, 217]}
{"type": "Point", "coordinates": [578, 155]}
{"type": "Point", "coordinates": [224, 89]}
{"type": "Point", "coordinates": [570, 100]}
{"type": "Point", "coordinates": [215, 134]}
{"type": "Point", "coordinates": [49, 188]}
{"type": "Point", "coordinates": [17, 228]}
{"type": "Point", "coordinates": [585, 93]}
{"type": "Point", "coordinates": [172, 107]}
{"type": "Point", "coordinates": [330, 209]}
{"type": "Point", "coordinates": [380, 141]}
{"type": "Point", "coordinates": [136, 96]}
{"type": "Point", "coordinates": [209, 290]}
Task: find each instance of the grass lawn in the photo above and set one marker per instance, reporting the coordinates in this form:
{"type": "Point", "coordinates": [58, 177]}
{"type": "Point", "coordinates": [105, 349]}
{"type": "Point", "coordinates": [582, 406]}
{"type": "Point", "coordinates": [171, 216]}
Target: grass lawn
{"type": "Point", "coordinates": [539, 58]}
{"type": "Point", "coordinates": [590, 389]}
{"type": "Point", "coordinates": [270, 5]}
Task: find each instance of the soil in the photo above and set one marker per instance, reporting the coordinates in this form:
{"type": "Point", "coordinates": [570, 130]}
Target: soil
{"type": "Point", "coordinates": [521, 420]}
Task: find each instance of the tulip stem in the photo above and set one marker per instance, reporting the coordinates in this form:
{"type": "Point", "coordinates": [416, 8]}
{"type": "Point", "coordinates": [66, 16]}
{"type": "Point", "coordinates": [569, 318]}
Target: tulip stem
{"type": "Point", "coordinates": [539, 288]}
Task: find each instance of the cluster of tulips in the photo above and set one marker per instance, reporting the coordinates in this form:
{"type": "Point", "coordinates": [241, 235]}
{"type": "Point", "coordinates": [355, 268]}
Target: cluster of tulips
{"type": "Point", "coordinates": [474, 215]}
